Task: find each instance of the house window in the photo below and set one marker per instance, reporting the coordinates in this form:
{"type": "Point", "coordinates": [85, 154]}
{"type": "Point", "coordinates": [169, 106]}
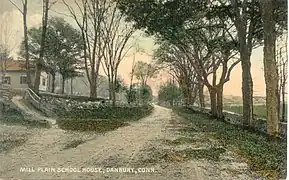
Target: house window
{"type": "Point", "coordinates": [6, 80]}
{"type": "Point", "coordinates": [43, 82]}
{"type": "Point", "coordinates": [23, 80]}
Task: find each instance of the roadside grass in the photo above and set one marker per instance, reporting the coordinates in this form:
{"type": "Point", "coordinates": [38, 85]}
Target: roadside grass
{"type": "Point", "coordinates": [265, 155]}
{"type": "Point", "coordinates": [28, 123]}
{"type": "Point", "coordinates": [73, 144]}
{"type": "Point", "coordinates": [8, 144]}
{"type": "Point", "coordinates": [259, 110]}
{"type": "Point", "coordinates": [13, 117]}
{"type": "Point", "coordinates": [96, 125]}
{"type": "Point", "coordinates": [154, 156]}
{"type": "Point", "coordinates": [212, 153]}
{"type": "Point", "coordinates": [179, 141]}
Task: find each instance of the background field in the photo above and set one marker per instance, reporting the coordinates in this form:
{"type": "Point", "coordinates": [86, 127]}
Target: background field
{"type": "Point", "coordinates": [259, 110]}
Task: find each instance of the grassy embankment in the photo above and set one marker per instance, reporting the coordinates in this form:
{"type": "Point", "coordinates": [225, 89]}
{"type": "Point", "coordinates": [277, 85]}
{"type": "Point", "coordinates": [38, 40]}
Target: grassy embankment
{"type": "Point", "coordinates": [265, 155]}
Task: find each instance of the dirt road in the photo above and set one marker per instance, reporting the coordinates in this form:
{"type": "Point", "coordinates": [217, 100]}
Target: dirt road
{"type": "Point", "coordinates": [141, 149]}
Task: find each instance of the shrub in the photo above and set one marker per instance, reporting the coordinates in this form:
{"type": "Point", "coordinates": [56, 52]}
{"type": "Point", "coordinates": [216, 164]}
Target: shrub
{"type": "Point", "coordinates": [90, 124]}
{"type": "Point", "coordinates": [170, 93]}
{"type": "Point", "coordinates": [100, 117]}
{"type": "Point", "coordinates": [105, 111]}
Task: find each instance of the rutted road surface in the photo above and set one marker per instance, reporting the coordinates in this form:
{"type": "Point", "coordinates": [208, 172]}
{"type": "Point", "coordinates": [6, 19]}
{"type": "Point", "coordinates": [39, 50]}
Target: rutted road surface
{"type": "Point", "coordinates": [140, 145]}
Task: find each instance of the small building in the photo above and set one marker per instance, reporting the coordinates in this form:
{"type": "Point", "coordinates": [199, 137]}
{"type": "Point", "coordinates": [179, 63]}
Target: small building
{"type": "Point", "coordinates": [13, 74]}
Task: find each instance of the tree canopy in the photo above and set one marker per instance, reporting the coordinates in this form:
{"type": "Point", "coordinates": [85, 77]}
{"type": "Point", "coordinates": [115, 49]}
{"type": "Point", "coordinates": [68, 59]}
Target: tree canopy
{"type": "Point", "coordinates": [62, 47]}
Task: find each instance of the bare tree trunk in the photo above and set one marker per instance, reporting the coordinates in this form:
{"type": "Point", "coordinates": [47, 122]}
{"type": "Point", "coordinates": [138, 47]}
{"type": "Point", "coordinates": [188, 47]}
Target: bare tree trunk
{"type": "Point", "coordinates": [247, 85]}
{"type": "Point", "coordinates": [189, 91]}
{"type": "Point", "coordinates": [213, 94]}
{"type": "Point", "coordinates": [28, 74]}
{"type": "Point", "coordinates": [284, 70]}
{"type": "Point", "coordinates": [279, 76]}
{"type": "Point", "coordinates": [114, 89]}
{"type": "Point", "coordinates": [113, 95]}
{"type": "Point", "coordinates": [93, 90]}
{"type": "Point", "coordinates": [62, 85]}
{"type": "Point", "coordinates": [201, 95]}
{"type": "Point", "coordinates": [220, 103]}
{"type": "Point", "coordinates": [279, 88]}
{"type": "Point", "coordinates": [131, 79]}
{"type": "Point", "coordinates": [213, 99]}
{"type": "Point", "coordinates": [53, 83]}
{"type": "Point", "coordinates": [23, 11]}
{"type": "Point", "coordinates": [186, 95]}
{"type": "Point", "coordinates": [110, 88]}
{"type": "Point", "coordinates": [283, 104]}
{"type": "Point", "coordinates": [194, 94]}
{"type": "Point", "coordinates": [245, 40]}
{"type": "Point", "coordinates": [39, 63]}
{"type": "Point", "coordinates": [71, 86]}
{"type": "Point", "coordinates": [270, 68]}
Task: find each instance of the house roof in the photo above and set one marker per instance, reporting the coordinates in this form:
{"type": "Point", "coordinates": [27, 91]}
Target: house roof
{"type": "Point", "coordinates": [13, 65]}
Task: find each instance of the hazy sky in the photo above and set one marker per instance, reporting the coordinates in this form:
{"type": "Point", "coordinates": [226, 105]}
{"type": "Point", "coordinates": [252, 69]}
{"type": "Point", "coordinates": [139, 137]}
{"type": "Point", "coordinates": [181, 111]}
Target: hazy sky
{"type": "Point", "coordinates": [11, 19]}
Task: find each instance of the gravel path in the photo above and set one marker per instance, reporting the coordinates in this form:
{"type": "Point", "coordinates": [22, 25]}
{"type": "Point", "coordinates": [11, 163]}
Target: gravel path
{"type": "Point", "coordinates": [128, 147]}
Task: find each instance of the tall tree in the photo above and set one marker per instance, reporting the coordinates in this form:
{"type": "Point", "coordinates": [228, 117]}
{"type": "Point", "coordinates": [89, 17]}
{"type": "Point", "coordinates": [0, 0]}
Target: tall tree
{"type": "Point", "coordinates": [89, 15]}
{"type": "Point", "coordinates": [116, 34]}
{"type": "Point", "coordinates": [282, 62]}
{"type": "Point", "coordinates": [24, 11]}
{"type": "Point", "coordinates": [180, 68]}
{"type": "Point", "coordinates": [270, 68]}
{"type": "Point", "coordinates": [62, 52]}
{"type": "Point", "coordinates": [242, 19]}
{"type": "Point", "coordinates": [144, 71]}
{"type": "Point", "coordinates": [39, 62]}
{"type": "Point", "coordinates": [169, 93]}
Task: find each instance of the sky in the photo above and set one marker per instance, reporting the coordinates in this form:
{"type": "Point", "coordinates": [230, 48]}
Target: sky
{"type": "Point", "coordinates": [11, 20]}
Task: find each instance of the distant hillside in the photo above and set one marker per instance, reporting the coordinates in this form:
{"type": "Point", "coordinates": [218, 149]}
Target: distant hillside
{"type": "Point", "coordinates": [229, 99]}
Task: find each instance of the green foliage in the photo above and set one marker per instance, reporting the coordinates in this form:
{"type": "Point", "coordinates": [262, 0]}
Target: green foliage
{"type": "Point", "coordinates": [170, 19]}
{"type": "Point", "coordinates": [169, 93]}
{"type": "Point", "coordinates": [131, 95]}
{"type": "Point", "coordinates": [119, 85]}
{"type": "Point", "coordinates": [145, 93]}
{"type": "Point", "coordinates": [12, 116]}
{"type": "Point", "coordinates": [100, 126]}
{"type": "Point", "coordinates": [9, 144]}
{"type": "Point", "coordinates": [100, 118]}
{"type": "Point", "coordinates": [104, 111]}
{"type": "Point", "coordinates": [265, 154]}
{"type": "Point", "coordinates": [144, 71]}
{"type": "Point", "coordinates": [139, 94]}
{"type": "Point", "coordinates": [63, 47]}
